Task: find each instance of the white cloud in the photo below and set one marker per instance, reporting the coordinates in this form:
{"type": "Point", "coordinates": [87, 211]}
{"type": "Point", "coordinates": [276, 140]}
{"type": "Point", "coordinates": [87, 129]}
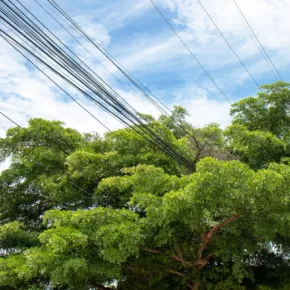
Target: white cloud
{"type": "Point", "coordinates": [95, 30]}
{"type": "Point", "coordinates": [269, 19]}
{"type": "Point", "coordinates": [116, 14]}
{"type": "Point", "coordinates": [148, 54]}
{"type": "Point", "coordinates": [201, 108]}
{"type": "Point", "coordinates": [204, 111]}
{"type": "Point", "coordinates": [162, 52]}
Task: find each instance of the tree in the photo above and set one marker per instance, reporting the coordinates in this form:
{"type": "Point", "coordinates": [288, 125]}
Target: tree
{"type": "Point", "coordinates": [113, 212]}
{"type": "Point", "coordinates": [260, 131]}
{"type": "Point", "coordinates": [269, 111]}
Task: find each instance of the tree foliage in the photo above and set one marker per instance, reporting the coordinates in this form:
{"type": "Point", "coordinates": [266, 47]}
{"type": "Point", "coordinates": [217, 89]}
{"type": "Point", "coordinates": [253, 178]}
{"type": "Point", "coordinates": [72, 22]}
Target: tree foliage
{"type": "Point", "coordinates": [81, 211]}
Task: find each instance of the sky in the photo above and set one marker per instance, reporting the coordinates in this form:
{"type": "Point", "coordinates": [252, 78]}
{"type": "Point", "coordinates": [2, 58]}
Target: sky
{"type": "Point", "coordinates": [137, 36]}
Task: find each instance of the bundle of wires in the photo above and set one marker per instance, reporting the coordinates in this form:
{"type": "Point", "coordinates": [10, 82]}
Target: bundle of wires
{"type": "Point", "coordinates": [41, 47]}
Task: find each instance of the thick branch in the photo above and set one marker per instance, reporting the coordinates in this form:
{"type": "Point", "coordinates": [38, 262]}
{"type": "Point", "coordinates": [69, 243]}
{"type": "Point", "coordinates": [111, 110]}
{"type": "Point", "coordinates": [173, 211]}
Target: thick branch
{"type": "Point", "coordinates": [178, 257]}
{"type": "Point", "coordinates": [200, 262]}
{"type": "Point", "coordinates": [208, 236]}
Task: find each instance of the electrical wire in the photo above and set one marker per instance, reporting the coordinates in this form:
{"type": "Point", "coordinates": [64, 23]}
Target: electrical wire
{"type": "Point", "coordinates": [71, 23]}
{"type": "Point", "coordinates": [109, 99]}
{"type": "Point", "coordinates": [189, 50]}
{"type": "Point", "coordinates": [229, 45]}
{"type": "Point", "coordinates": [80, 31]}
{"type": "Point", "coordinates": [260, 46]}
{"type": "Point", "coordinates": [56, 84]}
{"type": "Point", "coordinates": [85, 48]}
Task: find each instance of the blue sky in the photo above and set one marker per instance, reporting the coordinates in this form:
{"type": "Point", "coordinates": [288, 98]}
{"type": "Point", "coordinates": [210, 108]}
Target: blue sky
{"type": "Point", "coordinates": [135, 34]}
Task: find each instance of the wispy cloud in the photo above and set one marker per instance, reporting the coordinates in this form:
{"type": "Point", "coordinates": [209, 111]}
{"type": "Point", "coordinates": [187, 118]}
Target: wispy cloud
{"type": "Point", "coordinates": [269, 20]}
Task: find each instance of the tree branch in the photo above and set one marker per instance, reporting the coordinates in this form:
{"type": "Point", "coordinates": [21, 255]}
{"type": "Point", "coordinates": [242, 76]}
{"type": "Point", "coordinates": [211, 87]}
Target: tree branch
{"type": "Point", "coordinates": [208, 236]}
{"type": "Point", "coordinates": [200, 262]}
{"type": "Point", "coordinates": [195, 286]}
{"type": "Point", "coordinates": [152, 251]}
{"type": "Point", "coordinates": [177, 273]}
{"type": "Point", "coordinates": [181, 260]}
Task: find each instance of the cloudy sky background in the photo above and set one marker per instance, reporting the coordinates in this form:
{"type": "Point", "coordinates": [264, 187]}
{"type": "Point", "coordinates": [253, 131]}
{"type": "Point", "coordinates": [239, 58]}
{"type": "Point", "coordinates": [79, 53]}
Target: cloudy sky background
{"type": "Point", "coordinates": [136, 35]}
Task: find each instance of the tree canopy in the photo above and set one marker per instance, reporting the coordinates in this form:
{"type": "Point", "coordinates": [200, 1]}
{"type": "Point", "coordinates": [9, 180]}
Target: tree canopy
{"type": "Point", "coordinates": [84, 211]}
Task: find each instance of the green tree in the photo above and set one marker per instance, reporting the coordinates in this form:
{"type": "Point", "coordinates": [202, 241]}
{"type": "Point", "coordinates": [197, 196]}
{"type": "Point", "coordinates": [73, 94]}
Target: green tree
{"type": "Point", "coordinates": [260, 131]}
{"type": "Point", "coordinates": [80, 211]}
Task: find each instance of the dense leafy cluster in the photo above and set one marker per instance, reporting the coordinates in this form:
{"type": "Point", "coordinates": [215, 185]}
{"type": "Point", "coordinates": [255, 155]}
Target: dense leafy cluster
{"type": "Point", "coordinates": [80, 211]}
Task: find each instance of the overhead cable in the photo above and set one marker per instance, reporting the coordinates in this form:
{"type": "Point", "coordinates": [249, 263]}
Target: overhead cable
{"type": "Point", "coordinates": [229, 45]}
{"type": "Point", "coordinates": [129, 76]}
{"type": "Point", "coordinates": [259, 45]}
{"type": "Point", "coordinates": [189, 50]}
{"type": "Point", "coordinates": [81, 77]}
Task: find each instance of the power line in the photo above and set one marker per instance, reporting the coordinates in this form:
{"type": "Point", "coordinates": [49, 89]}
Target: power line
{"type": "Point", "coordinates": [229, 45]}
{"type": "Point", "coordinates": [83, 46]}
{"type": "Point", "coordinates": [257, 39]}
{"type": "Point", "coordinates": [168, 148]}
{"type": "Point", "coordinates": [72, 24]}
{"type": "Point", "coordinates": [79, 30]}
{"type": "Point", "coordinates": [51, 78]}
{"type": "Point", "coordinates": [108, 99]}
{"type": "Point", "coordinates": [55, 83]}
{"type": "Point", "coordinates": [65, 45]}
{"type": "Point", "coordinates": [131, 78]}
{"type": "Point", "coordinates": [10, 119]}
{"type": "Point", "coordinates": [61, 41]}
{"type": "Point", "coordinates": [191, 53]}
